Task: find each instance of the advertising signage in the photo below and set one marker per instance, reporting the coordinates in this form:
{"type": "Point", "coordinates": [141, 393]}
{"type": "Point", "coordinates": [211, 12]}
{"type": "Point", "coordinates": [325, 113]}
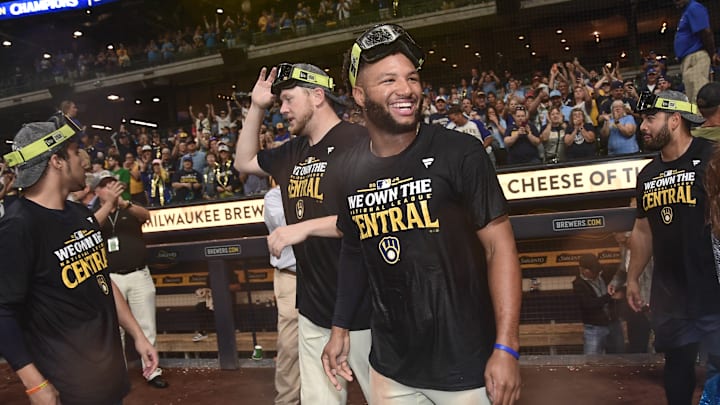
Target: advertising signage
{"type": "Point", "coordinates": [19, 9]}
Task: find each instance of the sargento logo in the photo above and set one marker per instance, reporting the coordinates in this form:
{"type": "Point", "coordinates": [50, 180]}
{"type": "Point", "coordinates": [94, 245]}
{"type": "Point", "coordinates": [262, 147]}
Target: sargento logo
{"type": "Point", "coordinates": [392, 205]}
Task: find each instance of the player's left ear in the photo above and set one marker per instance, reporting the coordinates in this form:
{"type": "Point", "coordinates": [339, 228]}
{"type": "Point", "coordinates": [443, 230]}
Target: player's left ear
{"type": "Point", "coordinates": [359, 96]}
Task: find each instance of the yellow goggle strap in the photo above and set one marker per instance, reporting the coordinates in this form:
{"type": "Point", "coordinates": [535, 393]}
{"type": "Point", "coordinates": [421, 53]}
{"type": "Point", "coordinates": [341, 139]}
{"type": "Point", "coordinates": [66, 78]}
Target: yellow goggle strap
{"type": "Point", "coordinates": [37, 148]}
{"type": "Point", "coordinates": [313, 78]}
{"type": "Point", "coordinates": [354, 63]}
{"type": "Point", "coordinates": [675, 105]}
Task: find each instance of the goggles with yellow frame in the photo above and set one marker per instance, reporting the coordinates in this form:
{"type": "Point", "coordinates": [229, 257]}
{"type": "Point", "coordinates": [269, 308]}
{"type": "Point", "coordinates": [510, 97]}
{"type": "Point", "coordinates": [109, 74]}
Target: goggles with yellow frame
{"type": "Point", "coordinates": [380, 41]}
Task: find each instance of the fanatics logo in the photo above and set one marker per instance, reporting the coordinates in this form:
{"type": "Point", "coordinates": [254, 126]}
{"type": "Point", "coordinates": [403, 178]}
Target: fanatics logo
{"type": "Point", "coordinates": [695, 162]}
{"type": "Point", "coordinates": [428, 162]}
{"type": "Point", "coordinates": [330, 149]}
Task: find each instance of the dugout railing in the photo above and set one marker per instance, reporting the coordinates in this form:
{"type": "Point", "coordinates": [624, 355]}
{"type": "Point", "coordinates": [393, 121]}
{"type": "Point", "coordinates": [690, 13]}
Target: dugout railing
{"type": "Point", "coordinates": [557, 213]}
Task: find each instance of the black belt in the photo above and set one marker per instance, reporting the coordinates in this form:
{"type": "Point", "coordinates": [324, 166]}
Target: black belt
{"type": "Point", "coordinates": [128, 271]}
{"type": "Point", "coordinates": [286, 271]}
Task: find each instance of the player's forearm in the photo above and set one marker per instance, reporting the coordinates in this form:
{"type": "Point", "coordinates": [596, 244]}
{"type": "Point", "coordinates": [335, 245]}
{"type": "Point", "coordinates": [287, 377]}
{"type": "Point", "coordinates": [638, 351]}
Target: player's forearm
{"type": "Point", "coordinates": [708, 41]}
{"type": "Point", "coordinates": [324, 227]}
{"type": "Point", "coordinates": [248, 143]}
{"type": "Point", "coordinates": [30, 376]}
{"type": "Point", "coordinates": [504, 279]}
{"type": "Point", "coordinates": [641, 251]}
{"type": "Point", "coordinates": [125, 317]}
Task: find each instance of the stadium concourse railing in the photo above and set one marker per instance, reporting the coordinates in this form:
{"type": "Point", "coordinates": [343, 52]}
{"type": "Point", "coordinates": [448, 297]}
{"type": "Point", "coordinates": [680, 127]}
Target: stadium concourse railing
{"type": "Point", "coordinates": [557, 212]}
{"type": "Point", "coordinates": [13, 84]}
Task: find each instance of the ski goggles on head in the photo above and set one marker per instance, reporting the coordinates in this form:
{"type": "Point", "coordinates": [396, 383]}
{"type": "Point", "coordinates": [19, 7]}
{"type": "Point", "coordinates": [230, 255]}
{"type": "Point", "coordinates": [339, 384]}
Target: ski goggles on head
{"type": "Point", "coordinates": [649, 101]}
{"type": "Point", "coordinates": [49, 142]}
{"type": "Point", "coordinates": [289, 75]}
{"type": "Point", "coordinates": [380, 41]}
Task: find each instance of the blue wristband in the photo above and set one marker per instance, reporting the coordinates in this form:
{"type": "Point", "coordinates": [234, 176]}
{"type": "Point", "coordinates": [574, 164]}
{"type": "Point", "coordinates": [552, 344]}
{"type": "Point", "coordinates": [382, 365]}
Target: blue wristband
{"type": "Point", "coordinates": [508, 350]}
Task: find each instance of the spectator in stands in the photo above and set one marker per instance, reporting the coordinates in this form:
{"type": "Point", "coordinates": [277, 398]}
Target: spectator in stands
{"type": "Point", "coordinates": [121, 225]}
{"type": "Point", "coordinates": [460, 122]}
{"type": "Point", "coordinates": [227, 179]}
{"type": "Point", "coordinates": [497, 127]}
{"type": "Point", "coordinates": [664, 83]}
{"type": "Point", "coordinates": [619, 128]}
{"type": "Point", "coordinates": [694, 46]}
{"type": "Point", "coordinates": [553, 137]}
{"type": "Point", "coordinates": [522, 139]}
{"type": "Point", "coordinates": [281, 133]}
{"type": "Point", "coordinates": [197, 156]}
{"type": "Point", "coordinates": [440, 117]}
{"type": "Point", "coordinates": [579, 137]}
{"type": "Point", "coordinates": [122, 174]}
{"type": "Point", "coordinates": [480, 104]}
{"type": "Point", "coordinates": [137, 188]}
{"type": "Point", "coordinates": [302, 19]}
{"type": "Point", "coordinates": [342, 8]}
{"type": "Point", "coordinates": [187, 182]}
{"type": "Point", "coordinates": [153, 53]}
{"type": "Point", "coordinates": [489, 82]}
{"type": "Point", "coordinates": [208, 175]}
{"type": "Point", "coordinates": [224, 119]}
{"type": "Point", "coordinates": [201, 121]}
{"type": "Point", "coordinates": [651, 82]}
{"type": "Point", "coordinates": [167, 49]}
{"type": "Point", "coordinates": [124, 144]}
{"type": "Point", "coordinates": [603, 331]}
{"type": "Point", "coordinates": [159, 189]}
{"type": "Point", "coordinates": [581, 100]}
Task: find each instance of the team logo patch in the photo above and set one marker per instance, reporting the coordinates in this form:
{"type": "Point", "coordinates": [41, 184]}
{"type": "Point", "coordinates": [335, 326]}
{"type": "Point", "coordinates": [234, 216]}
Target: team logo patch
{"type": "Point", "coordinates": [103, 284]}
{"type": "Point", "coordinates": [382, 184]}
{"type": "Point", "coordinates": [299, 209]}
{"type": "Point", "coordinates": [390, 249]}
{"type": "Point", "coordinates": [667, 215]}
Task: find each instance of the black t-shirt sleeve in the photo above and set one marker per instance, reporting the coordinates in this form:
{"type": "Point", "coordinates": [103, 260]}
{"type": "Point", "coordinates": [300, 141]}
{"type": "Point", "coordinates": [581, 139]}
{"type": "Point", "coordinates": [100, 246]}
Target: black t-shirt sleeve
{"type": "Point", "coordinates": [277, 161]}
{"type": "Point", "coordinates": [15, 275]}
{"type": "Point", "coordinates": [352, 282]}
{"type": "Point", "coordinates": [479, 187]}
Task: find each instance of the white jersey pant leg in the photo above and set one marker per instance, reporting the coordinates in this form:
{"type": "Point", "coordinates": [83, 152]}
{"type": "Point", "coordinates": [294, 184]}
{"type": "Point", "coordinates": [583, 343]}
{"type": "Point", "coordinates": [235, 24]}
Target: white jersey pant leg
{"type": "Point", "coordinates": [287, 369]}
{"type": "Point", "coordinates": [359, 358]}
{"type": "Point", "coordinates": [386, 391]}
{"type": "Point", "coordinates": [315, 387]}
{"type": "Point", "coordinates": [138, 289]}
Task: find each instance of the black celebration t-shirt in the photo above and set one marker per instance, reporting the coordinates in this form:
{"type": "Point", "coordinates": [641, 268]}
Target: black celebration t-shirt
{"type": "Point", "coordinates": [301, 169]}
{"type": "Point", "coordinates": [416, 215]}
{"type": "Point", "coordinates": [672, 197]}
{"type": "Point", "coordinates": [55, 274]}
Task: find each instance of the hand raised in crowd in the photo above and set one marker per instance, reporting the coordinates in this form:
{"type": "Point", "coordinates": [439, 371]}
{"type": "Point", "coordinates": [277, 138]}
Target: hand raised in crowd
{"type": "Point", "coordinates": [114, 189]}
{"type": "Point", "coordinates": [262, 92]}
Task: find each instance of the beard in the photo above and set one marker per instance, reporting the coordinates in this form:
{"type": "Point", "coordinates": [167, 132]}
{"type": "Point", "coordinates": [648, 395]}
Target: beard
{"type": "Point", "coordinates": [381, 117]}
{"type": "Point", "coordinates": [660, 140]}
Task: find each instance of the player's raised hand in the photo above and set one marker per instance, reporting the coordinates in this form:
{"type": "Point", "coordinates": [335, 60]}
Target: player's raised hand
{"type": "Point", "coordinates": [261, 94]}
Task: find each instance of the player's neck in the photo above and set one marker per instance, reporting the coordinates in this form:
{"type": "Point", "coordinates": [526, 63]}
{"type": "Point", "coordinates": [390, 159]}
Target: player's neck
{"type": "Point", "coordinates": [44, 195]}
{"type": "Point", "coordinates": [384, 144]}
{"type": "Point", "coordinates": [676, 148]}
{"type": "Point", "coordinates": [321, 125]}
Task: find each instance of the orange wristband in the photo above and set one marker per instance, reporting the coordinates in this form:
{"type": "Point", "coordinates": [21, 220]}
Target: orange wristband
{"type": "Point", "coordinates": [37, 388]}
